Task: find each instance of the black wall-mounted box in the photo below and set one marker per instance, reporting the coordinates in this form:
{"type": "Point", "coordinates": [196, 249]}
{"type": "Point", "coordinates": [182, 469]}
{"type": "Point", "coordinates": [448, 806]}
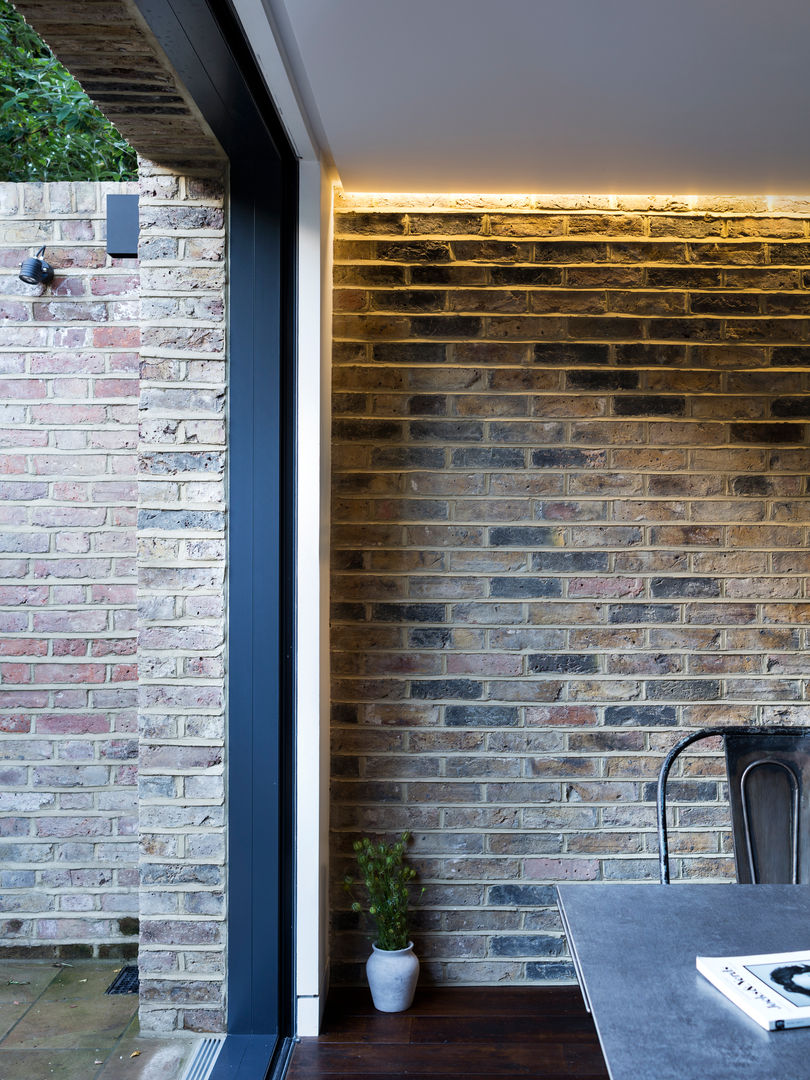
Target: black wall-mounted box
{"type": "Point", "coordinates": [122, 226]}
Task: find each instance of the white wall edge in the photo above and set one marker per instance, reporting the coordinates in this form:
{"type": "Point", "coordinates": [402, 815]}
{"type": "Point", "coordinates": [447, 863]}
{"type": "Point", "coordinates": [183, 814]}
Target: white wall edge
{"type": "Point", "coordinates": [310, 880]}
{"type": "Point", "coordinates": [308, 1017]}
{"type": "Point", "coordinates": [259, 33]}
{"type": "Point", "coordinates": [309, 1012]}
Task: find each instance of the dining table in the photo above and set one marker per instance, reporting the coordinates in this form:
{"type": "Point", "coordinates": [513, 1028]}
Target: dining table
{"type": "Point", "coordinates": [634, 948]}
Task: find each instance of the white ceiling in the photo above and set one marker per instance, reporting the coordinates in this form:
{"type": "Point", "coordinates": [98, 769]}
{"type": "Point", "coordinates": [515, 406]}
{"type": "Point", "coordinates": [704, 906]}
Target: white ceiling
{"type": "Point", "coordinates": [578, 96]}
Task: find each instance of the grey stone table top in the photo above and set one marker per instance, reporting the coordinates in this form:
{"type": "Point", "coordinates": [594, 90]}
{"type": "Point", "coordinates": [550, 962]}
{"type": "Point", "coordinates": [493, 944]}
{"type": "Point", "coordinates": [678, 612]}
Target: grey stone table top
{"type": "Point", "coordinates": [634, 949]}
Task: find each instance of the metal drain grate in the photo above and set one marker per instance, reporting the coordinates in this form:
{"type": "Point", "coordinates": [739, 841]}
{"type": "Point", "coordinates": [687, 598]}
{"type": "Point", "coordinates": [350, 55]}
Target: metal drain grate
{"type": "Point", "coordinates": [125, 982]}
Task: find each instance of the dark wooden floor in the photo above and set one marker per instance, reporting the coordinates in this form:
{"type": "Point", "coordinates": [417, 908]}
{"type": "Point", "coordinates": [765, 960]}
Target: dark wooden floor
{"type": "Point", "coordinates": [482, 1032]}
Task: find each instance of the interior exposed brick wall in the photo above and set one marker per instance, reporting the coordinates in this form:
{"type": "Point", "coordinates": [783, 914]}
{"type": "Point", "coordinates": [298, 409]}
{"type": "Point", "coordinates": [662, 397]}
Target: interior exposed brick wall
{"type": "Point", "coordinates": [570, 513]}
{"type": "Point", "coordinates": [68, 729]}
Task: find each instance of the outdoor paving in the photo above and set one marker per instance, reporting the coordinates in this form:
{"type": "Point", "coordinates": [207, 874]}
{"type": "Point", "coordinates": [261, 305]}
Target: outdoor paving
{"type": "Point", "coordinates": [56, 1023]}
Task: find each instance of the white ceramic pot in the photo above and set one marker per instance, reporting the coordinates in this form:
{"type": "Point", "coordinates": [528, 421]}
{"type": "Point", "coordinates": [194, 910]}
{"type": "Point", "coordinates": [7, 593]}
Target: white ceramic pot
{"type": "Point", "coordinates": [392, 975]}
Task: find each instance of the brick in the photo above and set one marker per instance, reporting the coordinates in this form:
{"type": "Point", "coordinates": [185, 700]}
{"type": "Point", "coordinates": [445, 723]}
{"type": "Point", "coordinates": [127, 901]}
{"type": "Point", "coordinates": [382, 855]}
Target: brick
{"type": "Point", "coordinates": [649, 405]}
{"type": "Point", "coordinates": [488, 458]}
{"type": "Point", "coordinates": [642, 613]}
{"type": "Point", "coordinates": [768, 433]}
{"type": "Point", "coordinates": [563, 869]}
{"type": "Point", "coordinates": [561, 355]}
{"type": "Point", "coordinates": [522, 895]}
{"type": "Point", "coordinates": [601, 380]}
{"type": "Point", "coordinates": [685, 689]}
{"type": "Point", "coordinates": [790, 407]}
{"type": "Point", "coordinates": [446, 688]}
{"type": "Point", "coordinates": [520, 536]}
{"type": "Point", "coordinates": [480, 716]}
{"type": "Point", "coordinates": [517, 587]}
{"type": "Point", "coordinates": [530, 945]}
{"type": "Point", "coordinates": [569, 663]}
{"type": "Point", "coordinates": [790, 356]}
{"type": "Point", "coordinates": [671, 225]}
{"type": "Point", "coordinates": [568, 458]}
{"type": "Point", "coordinates": [640, 715]}
{"type": "Point", "coordinates": [683, 587]}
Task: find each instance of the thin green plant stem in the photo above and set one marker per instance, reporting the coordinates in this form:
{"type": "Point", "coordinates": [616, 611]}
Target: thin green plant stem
{"type": "Point", "coordinates": [387, 879]}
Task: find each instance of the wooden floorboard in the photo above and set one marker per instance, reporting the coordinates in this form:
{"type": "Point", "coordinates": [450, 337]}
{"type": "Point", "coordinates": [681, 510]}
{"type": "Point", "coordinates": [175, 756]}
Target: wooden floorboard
{"type": "Point", "coordinates": [489, 1033]}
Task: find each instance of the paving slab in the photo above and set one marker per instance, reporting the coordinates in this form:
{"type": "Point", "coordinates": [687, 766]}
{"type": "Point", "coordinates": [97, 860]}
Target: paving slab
{"type": "Point", "coordinates": [64, 1024]}
{"type": "Point", "coordinates": [9, 1015]}
{"type": "Point", "coordinates": [24, 980]}
{"type": "Point", "coordinates": [57, 1023]}
{"type": "Point", "coordinates": [84, 981]}
{"type": "Point", "coordinates": [48, 1064]}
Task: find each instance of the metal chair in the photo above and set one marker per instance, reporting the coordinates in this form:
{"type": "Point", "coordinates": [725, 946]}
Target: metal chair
{"type": "Point", "coordinates": [768, 772]}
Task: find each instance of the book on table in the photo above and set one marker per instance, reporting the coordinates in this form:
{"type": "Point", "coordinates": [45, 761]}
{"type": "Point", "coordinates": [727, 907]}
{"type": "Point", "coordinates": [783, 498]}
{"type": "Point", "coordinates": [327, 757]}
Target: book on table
{"type": "Point", "coordinates": [772, 988]}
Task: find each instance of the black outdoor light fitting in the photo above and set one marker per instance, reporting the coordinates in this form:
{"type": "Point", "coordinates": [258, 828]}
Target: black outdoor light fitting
{"type": "Point", "coordinates": [35, 271]}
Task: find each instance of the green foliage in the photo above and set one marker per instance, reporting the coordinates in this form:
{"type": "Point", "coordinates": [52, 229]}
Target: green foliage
{"type": "Point", "coordinates": [387, 880]}
{"type": "Point", "coordinates": [49, 127]}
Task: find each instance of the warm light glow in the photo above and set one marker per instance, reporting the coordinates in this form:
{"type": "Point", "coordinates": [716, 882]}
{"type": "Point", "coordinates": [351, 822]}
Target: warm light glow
{"type": "Point", "coordinates": [798, 205]}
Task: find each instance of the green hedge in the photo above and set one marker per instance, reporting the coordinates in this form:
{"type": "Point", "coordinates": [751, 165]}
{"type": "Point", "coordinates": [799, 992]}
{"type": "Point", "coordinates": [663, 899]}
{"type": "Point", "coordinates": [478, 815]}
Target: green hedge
{"type": "Point", "coordinates": [49, 127]}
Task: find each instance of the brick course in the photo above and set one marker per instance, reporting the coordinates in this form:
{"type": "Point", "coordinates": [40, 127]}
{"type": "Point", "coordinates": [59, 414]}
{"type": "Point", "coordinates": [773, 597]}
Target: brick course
{"type": "Point", "coordinates": [68, 399]}
{"type": "Point", "coordinates": [570, 514]}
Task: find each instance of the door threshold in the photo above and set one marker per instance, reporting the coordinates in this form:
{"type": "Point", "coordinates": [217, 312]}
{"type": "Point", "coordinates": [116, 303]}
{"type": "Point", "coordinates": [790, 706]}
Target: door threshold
{"type": "Point", "coordinates": [252, 1057]}
{"type": "Point", "coordinates": [204, 1058]}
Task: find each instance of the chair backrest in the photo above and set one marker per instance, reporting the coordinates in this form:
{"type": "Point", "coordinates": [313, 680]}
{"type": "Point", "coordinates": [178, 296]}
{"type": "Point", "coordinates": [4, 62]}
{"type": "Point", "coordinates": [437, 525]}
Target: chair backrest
{"type": "Point", "coordinates": [769, 786]}
{"type": "Point", "coordinates": [769, 794]}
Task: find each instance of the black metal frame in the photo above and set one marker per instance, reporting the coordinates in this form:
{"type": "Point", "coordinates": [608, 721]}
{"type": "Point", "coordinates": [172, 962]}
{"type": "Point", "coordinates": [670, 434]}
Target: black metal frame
{"type": "Point", "coordinates": [703, 733]}
{"type": "Point", "coordinates": [204, 42]}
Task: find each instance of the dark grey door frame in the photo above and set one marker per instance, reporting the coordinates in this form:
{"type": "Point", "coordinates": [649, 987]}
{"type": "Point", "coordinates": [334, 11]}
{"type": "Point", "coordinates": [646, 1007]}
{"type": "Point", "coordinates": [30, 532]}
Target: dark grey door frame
{"type": "Point", "coordinates": [204, 42]}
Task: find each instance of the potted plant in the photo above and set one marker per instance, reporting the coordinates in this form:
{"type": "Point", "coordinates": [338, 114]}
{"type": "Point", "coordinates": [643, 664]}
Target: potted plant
{"type": "Point", "coordinates": [392, 969]}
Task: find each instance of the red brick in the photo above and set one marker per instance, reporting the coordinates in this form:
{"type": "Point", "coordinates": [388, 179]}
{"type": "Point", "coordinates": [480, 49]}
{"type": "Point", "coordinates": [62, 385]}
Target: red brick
{"type": "Point", "coordinates": [71, 673]}
{"type": "Point", "coordinates": [118, 388]}
{"type": "Point", "coordinates": [28, 389]}
{"type": "Point", "coordinates": [68, 414]}
{"type": "Point", "coordinates": [15, 673]}
{"type": "Point", "coordinates": [114, 285]}
{"type": "Point", "coordinates": [116, 337]}
{"type": "Point", "coordinates": [72, 723]}
{"type": "Point", "coordinates": [15, 724]}
{"type": "Point", "coordinates": [23, 647]}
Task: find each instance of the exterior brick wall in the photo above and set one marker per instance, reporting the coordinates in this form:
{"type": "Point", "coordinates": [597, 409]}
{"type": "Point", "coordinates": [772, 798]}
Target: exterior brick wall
{"type": "Point", "coordinates": [180, 461]}
{"type": "Point", "coordinates": [181, 575]}
{"type": "Point", "coordinates": [74, 703]}
{"type": "Point", "coordinates": [570, 521]}
{"type": "Point", "coordinates": [68, 738]}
